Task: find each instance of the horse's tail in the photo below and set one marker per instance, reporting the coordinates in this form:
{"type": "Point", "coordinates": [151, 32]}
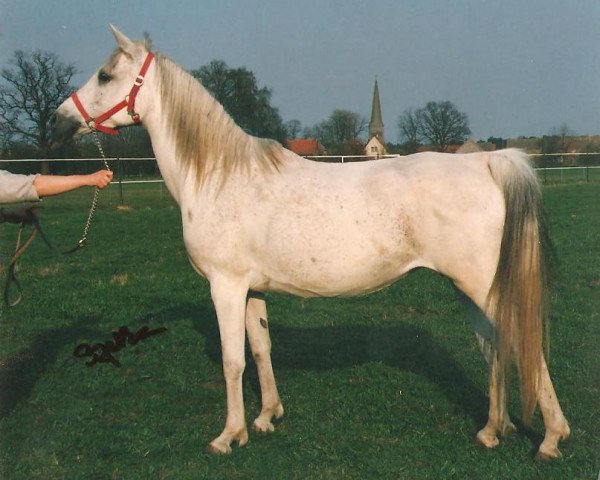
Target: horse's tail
{"type": "Point", "coordinates": [516, 301]}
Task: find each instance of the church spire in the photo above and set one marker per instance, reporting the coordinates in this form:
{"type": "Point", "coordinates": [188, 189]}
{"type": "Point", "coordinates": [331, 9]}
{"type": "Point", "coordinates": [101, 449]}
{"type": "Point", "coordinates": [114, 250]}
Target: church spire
{"type": "Point", "coordinates": [376, 123]}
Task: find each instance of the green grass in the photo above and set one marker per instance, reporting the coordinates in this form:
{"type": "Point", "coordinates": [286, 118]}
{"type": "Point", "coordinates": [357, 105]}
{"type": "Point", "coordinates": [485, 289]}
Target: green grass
{"type": "Point", "coordinates": [386, 386]}
{"type": "Point", "coordinates": [552, 176]}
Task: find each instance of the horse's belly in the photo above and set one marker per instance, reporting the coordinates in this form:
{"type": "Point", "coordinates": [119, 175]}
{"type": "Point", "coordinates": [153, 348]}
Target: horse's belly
{"type": "Point", "coordinates": [342, 273]}
{"type": "Point", "coordinates": [308, 287]}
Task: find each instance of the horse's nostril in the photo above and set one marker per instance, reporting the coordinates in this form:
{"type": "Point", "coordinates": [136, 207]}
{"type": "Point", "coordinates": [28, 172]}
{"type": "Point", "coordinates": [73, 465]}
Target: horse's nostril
{"type": "Point", "coordinates": [63, 129]}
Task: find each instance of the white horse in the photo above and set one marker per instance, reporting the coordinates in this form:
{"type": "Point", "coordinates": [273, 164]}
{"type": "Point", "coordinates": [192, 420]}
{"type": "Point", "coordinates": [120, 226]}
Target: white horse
{"type": "Point", "coordinates": [257, 217]}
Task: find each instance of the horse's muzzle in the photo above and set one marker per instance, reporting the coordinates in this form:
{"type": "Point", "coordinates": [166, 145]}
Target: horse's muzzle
{"type": "Point", "coordinates": [63, 129]}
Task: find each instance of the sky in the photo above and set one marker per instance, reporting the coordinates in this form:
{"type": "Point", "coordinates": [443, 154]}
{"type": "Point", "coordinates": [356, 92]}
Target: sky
{"type": "Point", "coordinates": [515, 67]}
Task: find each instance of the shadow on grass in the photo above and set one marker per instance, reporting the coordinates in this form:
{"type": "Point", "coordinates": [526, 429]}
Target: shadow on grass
{"type": "Point", "coordinates": [401, 346]}
{"type": "Point", "coordinates": [20, 372]}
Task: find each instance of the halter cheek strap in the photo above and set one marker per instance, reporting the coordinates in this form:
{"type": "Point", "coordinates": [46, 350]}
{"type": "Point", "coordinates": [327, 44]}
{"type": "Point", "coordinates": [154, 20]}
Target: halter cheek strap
{"type": "Point", "coordinates": [95, 123]}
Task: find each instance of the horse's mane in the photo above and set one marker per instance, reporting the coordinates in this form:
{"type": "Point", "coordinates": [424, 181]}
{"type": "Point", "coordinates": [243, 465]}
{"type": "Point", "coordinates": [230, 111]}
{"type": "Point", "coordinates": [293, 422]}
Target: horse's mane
{"type": "Point", "coordinates": [208, 141]}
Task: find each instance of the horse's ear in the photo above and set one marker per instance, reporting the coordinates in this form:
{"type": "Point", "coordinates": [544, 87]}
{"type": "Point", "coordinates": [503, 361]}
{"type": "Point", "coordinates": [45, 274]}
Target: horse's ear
{"type": "Point", "coordinates": [122, 40]}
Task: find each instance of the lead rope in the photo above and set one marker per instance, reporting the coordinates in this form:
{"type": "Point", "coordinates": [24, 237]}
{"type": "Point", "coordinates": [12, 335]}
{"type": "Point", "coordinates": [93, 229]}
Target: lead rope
{"type": "Point", "coordinates": [82, 241]}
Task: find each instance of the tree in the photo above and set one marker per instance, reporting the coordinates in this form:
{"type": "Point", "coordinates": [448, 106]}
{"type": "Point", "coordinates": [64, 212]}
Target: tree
{"type": "Point", "coordinates": [438, 123]}
{"type": "Point", "coordinates": [248, 104]}
{"type": "Point", "coordinates": [441, 124]}
{"type": "Point", "coordinates": [340, 131]}
{"type": "Point", "coordinates": [293, 128]}
{"type": "Point", "coordinates": [345, 126]}
{"type": "Point", "coordinates": [498, 142]}
{"type": "Point", "coordinates": [409, 130]}
{"type": "Point", "coordinates": [560, 140]}
{"type": "Point", "coordinates": [32, 90]}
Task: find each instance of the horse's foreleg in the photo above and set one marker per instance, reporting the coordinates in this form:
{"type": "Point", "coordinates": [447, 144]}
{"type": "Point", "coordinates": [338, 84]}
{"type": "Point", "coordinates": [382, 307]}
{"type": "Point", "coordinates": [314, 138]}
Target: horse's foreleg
{"type": "Point", "coordinates": [260, 343]}
{"type": "Point", "coordinates": [229, 298]}
{"type": "Point", "coordinates": [555, 423]}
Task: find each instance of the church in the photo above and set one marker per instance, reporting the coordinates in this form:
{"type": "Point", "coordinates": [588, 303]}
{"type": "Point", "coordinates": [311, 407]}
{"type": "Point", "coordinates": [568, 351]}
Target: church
{"type": "Point", "coordinates": [376, 145]}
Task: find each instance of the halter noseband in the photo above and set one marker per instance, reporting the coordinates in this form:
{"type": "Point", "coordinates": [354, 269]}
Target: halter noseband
{"type": "Point", "coordinates": [95, 123]}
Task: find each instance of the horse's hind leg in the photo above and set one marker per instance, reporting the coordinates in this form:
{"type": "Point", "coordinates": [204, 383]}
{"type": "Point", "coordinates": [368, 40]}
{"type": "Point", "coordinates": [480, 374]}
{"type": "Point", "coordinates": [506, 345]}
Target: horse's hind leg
{"type": "Point", "coordinates": [555, 423]}
{"type": "Point", "coordinates": [498, 419]}
{"type": "Point", "coordinates": [260, 343]}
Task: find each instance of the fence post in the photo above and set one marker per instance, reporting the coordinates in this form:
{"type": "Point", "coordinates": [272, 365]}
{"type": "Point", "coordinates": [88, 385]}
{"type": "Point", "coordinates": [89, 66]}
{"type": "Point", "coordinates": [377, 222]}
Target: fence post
{"type": "Point", "coordinates": [587, 173]}
{"type": "Point", "coordinates": [120, 163]}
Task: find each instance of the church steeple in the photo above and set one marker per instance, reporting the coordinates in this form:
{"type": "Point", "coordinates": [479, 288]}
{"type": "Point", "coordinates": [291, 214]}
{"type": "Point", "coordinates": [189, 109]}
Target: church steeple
{"type": "Point", "coordinates": [376, 123]}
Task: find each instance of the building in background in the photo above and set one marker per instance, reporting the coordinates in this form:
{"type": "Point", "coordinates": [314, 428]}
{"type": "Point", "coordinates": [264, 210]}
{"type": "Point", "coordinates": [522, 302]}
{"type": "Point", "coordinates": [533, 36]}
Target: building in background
{"type": "Point", "coordinates": [305, 147]}
{"type": "Point", "coordinates": [376, 144]}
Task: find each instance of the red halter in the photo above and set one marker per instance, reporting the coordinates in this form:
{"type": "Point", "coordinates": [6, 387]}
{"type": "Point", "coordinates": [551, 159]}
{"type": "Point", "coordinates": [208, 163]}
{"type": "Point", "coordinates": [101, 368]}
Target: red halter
{"type": "Point", "coordinates": [128, 101]}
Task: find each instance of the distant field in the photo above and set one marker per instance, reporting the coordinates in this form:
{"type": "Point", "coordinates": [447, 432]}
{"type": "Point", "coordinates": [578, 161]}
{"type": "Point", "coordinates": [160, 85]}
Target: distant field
{"type": "Point", "coordinates": [551, 176]}
{"type": "Point", "coordinates": [385, 386]}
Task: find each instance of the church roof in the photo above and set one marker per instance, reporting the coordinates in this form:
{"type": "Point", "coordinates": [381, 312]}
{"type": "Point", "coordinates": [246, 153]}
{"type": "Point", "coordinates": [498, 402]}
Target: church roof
{"type": "Point", "coordinates": [376, 120]}
{"type": "Point", "coordinates": [376, 123]}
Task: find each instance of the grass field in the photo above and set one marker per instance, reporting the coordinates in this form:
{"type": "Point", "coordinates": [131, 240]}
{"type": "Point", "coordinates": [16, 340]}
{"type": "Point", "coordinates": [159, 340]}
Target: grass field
{"type": "Point", "coordinates": [386, 386]}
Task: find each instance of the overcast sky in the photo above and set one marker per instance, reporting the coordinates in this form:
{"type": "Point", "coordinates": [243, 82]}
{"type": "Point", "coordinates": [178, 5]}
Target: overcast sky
{"type": "Point", "coordinates": [515, 67]}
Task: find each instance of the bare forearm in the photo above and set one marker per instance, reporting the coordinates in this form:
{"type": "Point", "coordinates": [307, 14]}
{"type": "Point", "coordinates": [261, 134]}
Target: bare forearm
{"type": "Point", "coordinates": [47, 185]}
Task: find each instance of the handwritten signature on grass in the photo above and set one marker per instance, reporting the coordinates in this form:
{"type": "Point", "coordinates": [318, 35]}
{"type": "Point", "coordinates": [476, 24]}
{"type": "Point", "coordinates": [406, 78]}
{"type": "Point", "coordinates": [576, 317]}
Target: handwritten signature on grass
{"type": "Point", "coordinates": [103, 352]}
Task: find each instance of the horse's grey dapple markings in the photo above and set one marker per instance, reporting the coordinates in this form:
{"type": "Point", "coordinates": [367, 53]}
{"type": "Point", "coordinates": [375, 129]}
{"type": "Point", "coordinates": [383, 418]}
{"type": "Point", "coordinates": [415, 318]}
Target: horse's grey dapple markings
{"type": "Point", "coordinates": [257, 218]}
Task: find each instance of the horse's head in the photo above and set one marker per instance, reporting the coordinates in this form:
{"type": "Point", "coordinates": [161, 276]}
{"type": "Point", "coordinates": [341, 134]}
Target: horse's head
{"type": "Point", "coordinates": [109, 99]}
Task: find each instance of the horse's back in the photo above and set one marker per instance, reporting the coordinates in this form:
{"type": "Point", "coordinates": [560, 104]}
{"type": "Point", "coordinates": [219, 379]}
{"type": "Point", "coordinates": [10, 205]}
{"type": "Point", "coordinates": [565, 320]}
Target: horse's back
{"type": "Point", "coordinates": [344, 229]}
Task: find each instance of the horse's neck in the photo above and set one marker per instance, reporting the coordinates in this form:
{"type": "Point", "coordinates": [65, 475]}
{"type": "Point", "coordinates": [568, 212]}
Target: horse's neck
{"type": "Point", "coordinates": [164, 148]}
{"type": "Point", "coordinates": [183, 178]}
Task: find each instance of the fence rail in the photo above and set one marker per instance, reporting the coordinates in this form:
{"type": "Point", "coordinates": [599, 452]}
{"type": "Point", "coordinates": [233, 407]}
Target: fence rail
{"type": "Point", "coordinates": [140, 170]}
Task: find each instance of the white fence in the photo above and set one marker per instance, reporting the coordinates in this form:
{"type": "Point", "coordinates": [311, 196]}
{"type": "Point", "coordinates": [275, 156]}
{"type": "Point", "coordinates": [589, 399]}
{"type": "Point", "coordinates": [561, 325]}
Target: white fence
{"type": "Point", "coordinates": [150, 174]}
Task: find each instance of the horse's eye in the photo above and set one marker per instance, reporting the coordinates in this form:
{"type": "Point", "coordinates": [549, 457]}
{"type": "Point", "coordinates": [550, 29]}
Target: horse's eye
{"type": "Point", "coordinates": [104, 77]}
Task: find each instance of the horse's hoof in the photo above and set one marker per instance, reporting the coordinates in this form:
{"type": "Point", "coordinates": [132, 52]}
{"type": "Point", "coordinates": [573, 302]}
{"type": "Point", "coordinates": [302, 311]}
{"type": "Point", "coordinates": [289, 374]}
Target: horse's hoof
{"type": "Point", "coordinates": [486, 440]}
{"type": "Point", "coordinates": [222, 444]}
{"type": "Point", "coordinates": [545, 454]}
{"type": "Point", "coordinates": [262, 425]}
{"type": "Point", "coordinates": [263, 421]}
{"type": "Point", "coordinates": [218, 448]}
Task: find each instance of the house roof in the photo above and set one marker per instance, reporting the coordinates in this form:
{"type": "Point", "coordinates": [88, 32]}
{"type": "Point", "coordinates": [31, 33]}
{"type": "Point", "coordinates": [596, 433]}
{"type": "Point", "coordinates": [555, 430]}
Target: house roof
{"type": "Point", "coordinates": [304, 146]}
{"type": "Point", "coordinates": [375, 139]}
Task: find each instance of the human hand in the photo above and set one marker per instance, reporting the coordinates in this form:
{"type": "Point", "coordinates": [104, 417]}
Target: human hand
{"type": "Point", "coordinates": [101, 178]}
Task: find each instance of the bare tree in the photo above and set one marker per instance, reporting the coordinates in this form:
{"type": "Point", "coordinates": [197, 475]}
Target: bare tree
{"type": "Point", "coordinates": [564, 136]}
{"type": "Point", "coordinates": [293, 128]}
{"type": "Point", "coordinates": [31, 92]}
{"type": "Point", "coordinates": [409, 130]}
{"type": "Point", "coordinates": [441, 124]}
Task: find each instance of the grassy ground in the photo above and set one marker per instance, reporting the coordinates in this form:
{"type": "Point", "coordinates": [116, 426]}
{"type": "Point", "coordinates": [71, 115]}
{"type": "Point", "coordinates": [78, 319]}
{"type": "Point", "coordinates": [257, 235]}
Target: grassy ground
{"type": "Point", "coordinates": [387, 386]}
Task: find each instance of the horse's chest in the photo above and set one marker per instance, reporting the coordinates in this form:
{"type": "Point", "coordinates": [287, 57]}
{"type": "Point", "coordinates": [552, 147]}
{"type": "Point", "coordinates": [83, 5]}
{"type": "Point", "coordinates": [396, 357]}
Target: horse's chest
{"type": "Point", "coordinates": [213, 239]}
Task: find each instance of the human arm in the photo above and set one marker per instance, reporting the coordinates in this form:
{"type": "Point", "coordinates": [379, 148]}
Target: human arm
{"type": "Point", "coordinates": [47, 185]}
